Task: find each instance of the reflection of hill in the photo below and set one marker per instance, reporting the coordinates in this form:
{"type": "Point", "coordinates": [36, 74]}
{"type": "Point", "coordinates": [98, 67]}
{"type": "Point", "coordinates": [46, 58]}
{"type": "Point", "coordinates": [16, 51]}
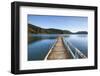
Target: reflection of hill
{"type": "Point", "coordinates": [38, 30]}
{"type": "Point", "coordinates": [82, 35]}
{"type": "Point", "coordinates": [35, 37]}
{"type": "Point", "coordinates": [31, 39]}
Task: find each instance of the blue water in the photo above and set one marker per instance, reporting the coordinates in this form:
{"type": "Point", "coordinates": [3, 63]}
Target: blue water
{"type": "Point", "coordinates": [79, 41]}
{"type": "Point", "coordinates": [38, 49]}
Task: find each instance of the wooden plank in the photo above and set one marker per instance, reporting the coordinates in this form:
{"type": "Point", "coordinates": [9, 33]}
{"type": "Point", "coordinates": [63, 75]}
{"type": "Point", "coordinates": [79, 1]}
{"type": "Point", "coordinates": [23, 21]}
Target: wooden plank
{"type": "Point", "coordinates": [59, 51]}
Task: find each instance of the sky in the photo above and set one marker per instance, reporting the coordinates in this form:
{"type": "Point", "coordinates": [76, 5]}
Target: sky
{"type": "Point", "coordinates": [71, 23]}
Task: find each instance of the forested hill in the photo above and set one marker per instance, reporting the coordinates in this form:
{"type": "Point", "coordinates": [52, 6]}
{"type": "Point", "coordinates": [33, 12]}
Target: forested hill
{"type": "Point", "coordinates": [38, 30]}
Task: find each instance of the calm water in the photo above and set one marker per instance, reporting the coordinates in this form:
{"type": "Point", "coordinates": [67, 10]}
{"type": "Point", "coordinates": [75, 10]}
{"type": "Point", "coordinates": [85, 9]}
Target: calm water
{"type": "Point", "coordinates": [38, 49]}
{"type": "Point", "coordinates": [79, 41]}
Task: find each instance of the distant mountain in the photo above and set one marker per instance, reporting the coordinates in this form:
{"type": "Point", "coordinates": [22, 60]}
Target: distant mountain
{"type": "Point", "coordinates": [35, 29]}
{"type": "Point", "coordinates": [81, 32]}
{"type": "Point", "coordinates": [38, 30]}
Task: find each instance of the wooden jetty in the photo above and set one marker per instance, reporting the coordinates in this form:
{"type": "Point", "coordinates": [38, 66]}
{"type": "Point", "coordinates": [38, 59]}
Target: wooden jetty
{"type": "Point", "coordinates": [58, 51]}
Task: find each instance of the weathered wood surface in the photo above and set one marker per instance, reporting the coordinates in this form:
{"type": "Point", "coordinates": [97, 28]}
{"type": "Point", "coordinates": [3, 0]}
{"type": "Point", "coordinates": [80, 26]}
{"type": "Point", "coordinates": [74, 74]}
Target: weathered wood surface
{"type": "Point", "coordinates": [59, 51]}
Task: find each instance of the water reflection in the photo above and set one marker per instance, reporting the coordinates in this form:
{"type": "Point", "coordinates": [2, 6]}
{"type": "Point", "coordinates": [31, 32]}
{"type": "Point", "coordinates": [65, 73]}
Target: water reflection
{"type": "Point", "coordinates": [80, 42]}
{"type": "Point", "coordinates": [40, 44]}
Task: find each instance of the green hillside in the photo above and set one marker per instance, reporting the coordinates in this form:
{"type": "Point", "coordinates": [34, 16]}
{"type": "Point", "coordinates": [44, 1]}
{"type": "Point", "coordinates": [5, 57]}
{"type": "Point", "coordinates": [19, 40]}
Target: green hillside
{"type": "Point", "coordinates": [38, 30]}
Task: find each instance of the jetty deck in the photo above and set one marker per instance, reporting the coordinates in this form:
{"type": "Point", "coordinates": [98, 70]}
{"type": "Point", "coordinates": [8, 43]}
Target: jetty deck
{"type": "Point", "coordinates": [59, 51]}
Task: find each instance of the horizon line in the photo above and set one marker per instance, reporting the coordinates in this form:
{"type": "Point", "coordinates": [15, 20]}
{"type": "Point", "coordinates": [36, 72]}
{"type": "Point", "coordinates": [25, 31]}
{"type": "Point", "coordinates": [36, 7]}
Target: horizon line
{"type": "Point", "coordinates": [59, 29]}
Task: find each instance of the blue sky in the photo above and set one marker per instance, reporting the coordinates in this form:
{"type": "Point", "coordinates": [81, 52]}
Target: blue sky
{"type": "Point", "coordinates": [71, 23]}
